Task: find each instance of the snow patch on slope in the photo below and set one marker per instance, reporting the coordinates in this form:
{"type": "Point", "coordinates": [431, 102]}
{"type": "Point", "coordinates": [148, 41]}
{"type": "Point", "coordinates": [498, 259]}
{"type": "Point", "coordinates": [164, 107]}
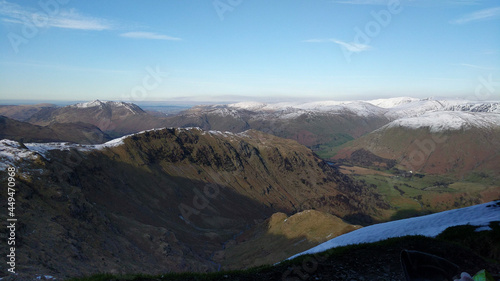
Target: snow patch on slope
{"type": "Point", "coordinates": [430, 225]}
{"type": "Point", "coordinates": [12, 152]}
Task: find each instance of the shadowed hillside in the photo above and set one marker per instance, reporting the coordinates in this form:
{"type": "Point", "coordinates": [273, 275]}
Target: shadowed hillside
{"type": "Point", "coordinates": [168, 200]}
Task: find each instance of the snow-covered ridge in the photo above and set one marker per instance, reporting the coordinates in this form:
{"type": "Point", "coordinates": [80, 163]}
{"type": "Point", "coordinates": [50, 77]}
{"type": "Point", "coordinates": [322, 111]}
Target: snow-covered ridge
{"type": "Point", "coordinates": [392, 102]}
{"type": "Point", "coordinates": [392, 108]}
{"type": "Point", "coordinates": [295, 109]}
{"type": "Point", "coordinates": [438, 121]}
{"type": "Point", "coordinates": [430, 225]}
{"type": "Point", "coordinates": [43, 148]}
{"type": "Point", "coordinates": [13, 151]}
{"type": "Point", "coordinates": [493, 107]}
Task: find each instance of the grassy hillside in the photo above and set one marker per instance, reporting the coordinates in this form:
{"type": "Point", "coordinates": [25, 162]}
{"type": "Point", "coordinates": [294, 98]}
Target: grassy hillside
{"type": "Point", "coordinates": [58, 132]}
{"type": "Point", "coordinates": [279, 236]}
{"type": "Point", "coordinates": [458, 152]}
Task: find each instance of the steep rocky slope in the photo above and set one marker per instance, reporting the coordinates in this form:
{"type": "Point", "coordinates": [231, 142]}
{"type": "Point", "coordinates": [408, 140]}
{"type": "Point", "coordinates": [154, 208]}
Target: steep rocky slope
{"type": "Point", "coordinates": [164, 200]}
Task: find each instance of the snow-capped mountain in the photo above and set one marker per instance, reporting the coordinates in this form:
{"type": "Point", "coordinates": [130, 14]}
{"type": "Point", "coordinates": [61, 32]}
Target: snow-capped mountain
{"type": "Point", "coordinates": [391, 108]}
{"type": "Point", "coordinates": [430, 225]}
{"type": "Point", "coordinates": [134, 109]}
{"type": "Point", "coordinates": [116, 118]}
{"type": "Point", "coordinates": [360, 108]}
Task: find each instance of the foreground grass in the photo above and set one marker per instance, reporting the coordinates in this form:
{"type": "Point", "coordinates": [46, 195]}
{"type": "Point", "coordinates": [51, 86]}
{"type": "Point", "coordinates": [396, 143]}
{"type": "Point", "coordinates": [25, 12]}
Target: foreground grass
{"type": "Point", "coordinates": [463, 245]}
{"type": "Point", "coordinates": [223, 275]}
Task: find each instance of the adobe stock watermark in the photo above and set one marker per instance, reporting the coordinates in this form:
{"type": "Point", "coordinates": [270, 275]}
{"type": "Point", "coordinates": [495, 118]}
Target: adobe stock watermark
{"type": "Point", "coordinates": [486, 87]}
{"type": "Point", "coordinates": [224, 6]}
{"type": "Point", "coordinates": [372, 29]}
{"type": "Point", "coordinates": [150, 82]}
{"type": "Point", "coordinates": [32, 25]}
{"type": "Point", "coordinates": [417, 157]}
{"type": "Point", "coordinates": [200, 201]}
{"type": "Point", "coordinates": [305, 270]}
{"type": "Point", "coordinates": [104, 124]}
{"type": "Point", "coordinates": [11, 219]}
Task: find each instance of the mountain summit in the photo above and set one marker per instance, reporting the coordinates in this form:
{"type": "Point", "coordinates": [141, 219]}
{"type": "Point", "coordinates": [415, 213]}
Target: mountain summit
{"type": "Point", "coordinates": [113, 105]}
{"type": "Point", "coordinates": [115, 118]}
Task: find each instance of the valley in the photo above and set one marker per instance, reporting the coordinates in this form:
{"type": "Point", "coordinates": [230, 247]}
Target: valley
{"type": "Point", "coordinates": [237, 140]}
{"type": "Point", "coordinates": [230, 187]}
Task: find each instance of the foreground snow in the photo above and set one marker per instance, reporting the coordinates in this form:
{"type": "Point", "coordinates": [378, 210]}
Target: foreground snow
{"type": "Point", "coordinates": [430, 225]}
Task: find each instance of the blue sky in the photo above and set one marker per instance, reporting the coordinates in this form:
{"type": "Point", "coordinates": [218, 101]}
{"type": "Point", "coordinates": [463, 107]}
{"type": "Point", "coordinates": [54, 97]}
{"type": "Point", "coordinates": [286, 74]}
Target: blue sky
{"type": "Point", "coordinates": [257, 49]}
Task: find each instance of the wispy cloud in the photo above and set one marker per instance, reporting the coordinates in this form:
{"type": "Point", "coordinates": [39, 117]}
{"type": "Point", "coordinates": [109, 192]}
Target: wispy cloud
{"type": "Point", "coordinates": [463, 2]}
{"type": "Point", "coordinates": [408, 2]}
{"type": "Point", "coordinates": [490, 52]}
{"type": "Point", "coordinates": [475, 66]}
{"type": "Point", "coordinates": [66, 18]}
{"type": "Point", "coordinates": [361, 2]}
{"type": "Point", "coordinates": [350, 46]}
{"type": "Point", "coordinates": [61, 67]}
{"type": "Point", "coordinates": [486, 14]}
{"type": "Point", "coordinates": [148, 35]}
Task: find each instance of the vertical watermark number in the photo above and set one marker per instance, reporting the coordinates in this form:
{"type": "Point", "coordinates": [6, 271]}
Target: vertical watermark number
{"type": "Point", "coordinates": [11, 219]}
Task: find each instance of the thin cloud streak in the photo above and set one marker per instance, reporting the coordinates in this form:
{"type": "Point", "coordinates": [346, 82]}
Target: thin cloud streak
{"type": "Point", "coordinates": [61, 67]}
{"type": "Point", "coordinates": [67, 19]}
{"type": "Point", "coordinates": [408, 2]}
{"type": "Point", "coordinates": [485, 14]}
{"type": "Point", "coordinates": [149, 35]}
{"type": "Point", "coordinates": [350, 46]}
{"type": "Point", "coordinates": [362, 2]}
{"type": "Point", "coordinates": [475, 66]}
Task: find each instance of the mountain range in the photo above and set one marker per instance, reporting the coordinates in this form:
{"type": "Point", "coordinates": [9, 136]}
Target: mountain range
{"type": "Point", "coordinates": [330, 128]}
{"type": "Point", "coordinates": [236, 185]}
